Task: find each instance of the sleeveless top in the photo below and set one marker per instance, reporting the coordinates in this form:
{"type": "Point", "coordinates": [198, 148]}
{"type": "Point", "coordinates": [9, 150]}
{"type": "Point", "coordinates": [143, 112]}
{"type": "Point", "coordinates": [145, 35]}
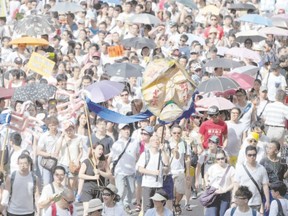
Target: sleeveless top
{"type": "Point", "coordinates": [21, 201]}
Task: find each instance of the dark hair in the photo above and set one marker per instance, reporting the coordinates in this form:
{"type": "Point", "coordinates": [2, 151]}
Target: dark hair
{"type": "Point", "coordinates": [61, 77]}
{"type": "Point", "coordinates": [280, 187]}
{"type": "Point", "coordinates": [59, 168]}
{"type": "Point", "coordinates": [244, 191]}
{"type": "Point", "coordinates": [25, 155]}
{"type": "Point", "coordinates": [276, 143]}
{"type": "Point", "coordinates": [241, 90]}
{"type": "Point", "coordinates": [16, 138]}
{"type": "Point", "coordinates": [176, 126]}
{"type": "Point", "coordinates": [238, 109]}
{"type": "Point", "coordinates": [250, 148]}
{"type": "Point", "coordinates": [258, 124]}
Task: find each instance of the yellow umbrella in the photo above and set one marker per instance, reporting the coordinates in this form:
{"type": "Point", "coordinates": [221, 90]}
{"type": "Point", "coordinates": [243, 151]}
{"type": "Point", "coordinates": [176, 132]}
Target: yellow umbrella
{"type": "Point", "coordinates": [211, 9]}
{"type": "Point", "coordinates": [30, 41]}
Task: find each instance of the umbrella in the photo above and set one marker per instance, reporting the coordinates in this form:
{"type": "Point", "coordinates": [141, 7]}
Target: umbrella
{"type": "Point", "coordinates": [279, 22]}
{"type": "Point", "coordinates": [34, 25]}
{"type": "Point", "coordinates": [145, 19]}
{"type": "Point", "coordinates": [274, 31]}
{"type": "Point", "coordinates": [256, 19]}
{"type": "Point", "coordinates": [217, 84]}
{"type": "Point", "coordinates": [220, 102]}
{"type": "Point", "coordinates": [188, 3]}
{"type": "Point", "coordinates": [280, 16]}
{"type": "Point", "coordinates": [34, 91]}
{"type": "Point", "coordinates": [222, 50]}
{"type": "Point", "coordinates": [212, 9]}
{"type": "Point", "coordinates": [104, 90]}
{"type": "Point", "coordinates": [66, 7]}
{"type": "Point", "coordinates": [223, 63]}
{"type": "Point", "coordinates": [138, 43]}
{"type": "Point", "coordinates": [116, 2]}
{"type": "Point", "coordinates": [6, 93]}
{"type": "Point", "coordinates": [30, 41]}
{"type": "Point", "coordinates": [243, 52]}
{"type": "Point", "coordinates": [242, 7]}
{"type": "Point", "coordinates": [124, 70]}
{"type": "Point", "coordinates": [248, 69]}
{"type": "Point", "coordinates": [244, 80]}
{"type": "Point", "coordinates": [254, 35]}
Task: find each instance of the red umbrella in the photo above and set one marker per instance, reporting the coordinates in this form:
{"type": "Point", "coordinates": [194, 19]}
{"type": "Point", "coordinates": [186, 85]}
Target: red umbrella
{"type": "Point", "coordinates": [6, 93]}
{"type": "Point", "coordinates": [245, 81]}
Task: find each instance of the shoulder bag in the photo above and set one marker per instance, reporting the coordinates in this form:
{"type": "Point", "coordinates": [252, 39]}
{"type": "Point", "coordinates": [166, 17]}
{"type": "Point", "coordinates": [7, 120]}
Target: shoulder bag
{"type": "Point", "coordinates": [119, 157]}
{"type": "Point", "coordinates": [48, 163]}
{"type": "Point", "coordinates": [73, 168]}
{"type": "Point", "coordinates": [209, 196]}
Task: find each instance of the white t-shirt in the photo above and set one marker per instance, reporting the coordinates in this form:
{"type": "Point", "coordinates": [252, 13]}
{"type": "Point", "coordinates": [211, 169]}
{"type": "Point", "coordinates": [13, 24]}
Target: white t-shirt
{"type": "Point", "coordinates": [234, 137]}
{"type": "Point", "coordinates": [74, 150]}
{"type": "Point", "coordinates": [150, 180]}
{"type": "Point", "coordinates": [118, 210]}
{"type": "Point", "coordinates": [215, 174]}
{"type": "Point", "coordinates": [274, 83]}
{"type": "Point", "coordinates": [239, 213]}
{"type": "Point", "coordinates": [274, 207]}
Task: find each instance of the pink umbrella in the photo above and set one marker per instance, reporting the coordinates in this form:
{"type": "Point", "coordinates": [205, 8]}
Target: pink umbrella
{"type": "Point", "coordinates": [274, 31]}
{"type": "Point", "coordinates": [6, 93]}
{"type": "Point", "coordinates": [243, 52]}
{"type": "Point", "coordinates": [220, 102]}
{"type": "Point", "coordinates": [245, 81]}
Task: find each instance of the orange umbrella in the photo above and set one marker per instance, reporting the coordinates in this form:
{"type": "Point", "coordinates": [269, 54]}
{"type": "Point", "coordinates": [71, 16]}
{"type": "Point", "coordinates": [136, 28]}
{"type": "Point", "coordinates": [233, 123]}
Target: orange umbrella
{"type": "Point", "coordinates": [30, 41]}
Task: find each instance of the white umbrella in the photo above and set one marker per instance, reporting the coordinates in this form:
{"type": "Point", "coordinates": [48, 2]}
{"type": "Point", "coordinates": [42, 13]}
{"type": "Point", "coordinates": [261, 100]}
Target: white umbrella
{"type": "Point", "coordinates": [254, 35]}
{"type": "Point", "coordinates": [274, 31]}
{"type": "Point", "coordinates": [280, 22]}
{"type": "Point", "coordinates": [145, 19]}
{"type": "Point", "coordinates": [66, 7]}
{"type": "Point", "coordinates": [243, 53]}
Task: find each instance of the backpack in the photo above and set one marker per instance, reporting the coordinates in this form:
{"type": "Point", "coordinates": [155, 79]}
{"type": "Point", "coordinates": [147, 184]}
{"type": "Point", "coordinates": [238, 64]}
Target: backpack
{"type": "Point", "coordinates": [54, 209]}
{"type": "Point", "coordinates": [254, 212]}
{"type": "Point", "coordinates": [280, 209]}
{"type": "Point", "coordinates": [13, 175]}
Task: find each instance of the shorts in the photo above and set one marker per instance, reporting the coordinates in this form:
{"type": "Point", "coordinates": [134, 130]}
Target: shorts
{"type": "Point", "coordinates": [180, 183]}
{"type": "Point", "coordinates": [138, 178]}
{"type": "Point", "coordinates": [168, 186]}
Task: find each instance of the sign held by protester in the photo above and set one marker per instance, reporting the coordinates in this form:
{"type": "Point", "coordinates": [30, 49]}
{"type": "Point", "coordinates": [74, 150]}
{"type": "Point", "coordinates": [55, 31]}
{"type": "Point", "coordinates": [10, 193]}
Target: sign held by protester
{"type": "Point", "coordinates": [40, 64]}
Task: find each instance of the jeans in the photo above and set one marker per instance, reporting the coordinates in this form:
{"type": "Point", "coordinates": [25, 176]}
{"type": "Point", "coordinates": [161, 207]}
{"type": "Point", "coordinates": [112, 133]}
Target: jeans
{"type": "Point", "coordinates": [126, 188]}
{"type": "Point", "coordinates": [219, 206]}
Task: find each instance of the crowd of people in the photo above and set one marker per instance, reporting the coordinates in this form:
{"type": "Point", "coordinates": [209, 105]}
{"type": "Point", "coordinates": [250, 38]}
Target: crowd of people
{"type": "Point", "coordinates": [55, 152]}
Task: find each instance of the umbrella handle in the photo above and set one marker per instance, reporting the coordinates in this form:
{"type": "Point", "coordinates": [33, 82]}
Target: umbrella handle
{"type": "Point", "coordinates": [3, 152]}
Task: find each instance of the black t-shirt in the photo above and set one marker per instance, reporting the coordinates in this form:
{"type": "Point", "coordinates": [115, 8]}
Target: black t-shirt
{"type": "Point", "coordinates": [275, 170]}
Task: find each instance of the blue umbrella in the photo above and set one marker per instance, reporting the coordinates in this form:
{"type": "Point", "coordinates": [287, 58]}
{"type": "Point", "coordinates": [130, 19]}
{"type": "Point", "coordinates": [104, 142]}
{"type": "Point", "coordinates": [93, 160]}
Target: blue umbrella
{"type": "Point", "coordinates": [256, 19]}
{"type": "Point", "coordinates": [116, 2]}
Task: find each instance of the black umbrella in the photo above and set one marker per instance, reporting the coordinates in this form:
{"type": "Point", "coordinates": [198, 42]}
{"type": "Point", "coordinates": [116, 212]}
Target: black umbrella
{"type": "Point", "coordinates": [34, 25]}
{"type": "Point", "coordinates": [33, 92]}
{"type": "Point", "coordinates": [138, 43]}
{"type": "Point", "coordinates": [217, 84]}
{"type": "Point", "coordinates": [124, 70]}
{"type": "Point", "coordinates": [242, 7]}
{"type": "Point", "coordinates": [223, 63]}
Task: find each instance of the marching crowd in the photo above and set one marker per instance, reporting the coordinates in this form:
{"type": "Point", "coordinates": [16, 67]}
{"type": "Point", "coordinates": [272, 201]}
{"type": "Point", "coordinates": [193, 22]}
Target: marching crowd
{"type": "Point", "coordinates": [54, 152]}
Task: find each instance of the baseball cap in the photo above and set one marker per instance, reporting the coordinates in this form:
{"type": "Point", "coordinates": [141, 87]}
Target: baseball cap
{"type": "Point", "coordinates": [81, 21]}
{"type": "Point", "coordinates": [196, 66]}
{"type": "Point", "coordinates": [96, 54]}
{"type": "Point", "coordinates": [213, 110]}
{"type": "Point", "coordinates": [214, 139]}
{"type": "Point", "coordinates": [158, 197]}
{"type": "Point", "coordinates": [18, 60]}
{"type": "Point", "coordinates": [121, 126]}
{"type": "Point", "coordinates": [149, 130]}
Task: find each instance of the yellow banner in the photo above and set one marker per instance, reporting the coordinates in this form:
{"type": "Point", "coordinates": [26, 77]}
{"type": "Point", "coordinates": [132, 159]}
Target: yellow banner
{"type": "Point", "coordinates": [3, 9]}
{"type": "Point", "coordinates": [40, 64]}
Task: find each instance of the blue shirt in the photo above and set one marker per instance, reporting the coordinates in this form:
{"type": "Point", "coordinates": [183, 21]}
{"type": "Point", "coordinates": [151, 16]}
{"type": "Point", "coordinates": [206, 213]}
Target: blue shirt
{"type": "Point", "coordinates": [152, 212]}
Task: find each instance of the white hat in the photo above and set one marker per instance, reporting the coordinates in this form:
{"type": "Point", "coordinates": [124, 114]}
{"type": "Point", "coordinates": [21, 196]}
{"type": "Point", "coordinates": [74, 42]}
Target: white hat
{"type": "Point", "coordinates": [121, 126]}
{"type": "Point", "coordinates": [158, 197]}
{"type": "Point", "coordinates": [94, 205]}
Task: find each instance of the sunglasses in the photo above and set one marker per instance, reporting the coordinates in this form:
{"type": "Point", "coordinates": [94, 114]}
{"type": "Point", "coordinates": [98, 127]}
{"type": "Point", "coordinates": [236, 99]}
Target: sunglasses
{"type": "Point", "coordinates": [251, 155]}
{"type": "Point", "coordinates": [252, 141]}
{"type": "Point", "coordinates": [218, 159]}
{"type": "Point", "coordinates": [106, 194]}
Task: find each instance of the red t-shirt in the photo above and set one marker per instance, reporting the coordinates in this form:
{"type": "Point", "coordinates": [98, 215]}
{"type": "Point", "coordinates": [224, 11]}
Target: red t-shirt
{"type": "Point", "coordinates": [209, 128]}
{"type": "Point", "coordinates": [220, 32]}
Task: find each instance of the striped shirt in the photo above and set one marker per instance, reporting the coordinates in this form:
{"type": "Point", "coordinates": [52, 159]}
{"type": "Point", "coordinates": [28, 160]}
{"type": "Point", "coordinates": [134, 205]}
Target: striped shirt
{"type": "Point", "coordinates": [275, 114]}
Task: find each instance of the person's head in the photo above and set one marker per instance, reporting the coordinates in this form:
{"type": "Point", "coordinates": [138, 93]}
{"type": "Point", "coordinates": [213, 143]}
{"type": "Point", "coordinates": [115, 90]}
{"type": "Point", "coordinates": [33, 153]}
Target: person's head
{"type": "Point", "coordinates": [158, 129]}
{"type": "Point", "coordinates": [98, 151]}
{"type": "Point", "coordinates": [273, 148]}
{"type": "Point", "coordinates": [15, 139]}
{"type": "Point", "coordinates": [242, 196]}
{"type": "Point", "coordinates": [213, 20]}
{"type": "Point", "coordinates": [280, 95]}
{"type": "Point", "coordinates": [124, 130]}
{"type": "Point", "coordinates": [67, 198]}
{"type": "Point", "coordinates": [52, 123]}
{"type": "Point", "coordinates": [258, 127]}
{"type": "Point", "coordinates": [279, 189]}
{"type": "Point", "coordinates": [263, 92]}
{"type": "Point", "coordinates": [253, 138]}
{"type": "Point", "coordinates": [176, 132]}
{"type": "Point", "coordinates": [155, 142]}
{"type": "Point", "coordinates": [109, 194]}
{"type": "Point", "coordinates": [95, 207]}
{"type": "Point", "coordinates": [235, 114]}
{"type": "Point", "coordinates": [69, 128]}
{"type": "Point", "coordinates": [221, 157]}
{"type": "Point", "coordinates": [213, 113]}
{"type": "Point", "coordinates": [251, 154]}
{"type": "Point", "coordinates": [213, 142]}
{"type": "Point", "coordinates": [146, 133]}
{"type": "Point", "coordinates": [241, 95]}
{"type": "Point", "coordinates": [159, 199]}
{"type": "Point", "coordinates": [101, 125]}
{"type": "Point", "coordinates": [24, 162]}
{"type": "Point", "coordinates": [125, 96]}
{"type": "Point", "coordinates": [248, 43]}
{"type": "Point", "coordinates": [59, 174]}
{"type": "Point", "coordinates": [62, 81]}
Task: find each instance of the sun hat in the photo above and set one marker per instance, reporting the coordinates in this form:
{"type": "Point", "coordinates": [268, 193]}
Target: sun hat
{"type": "Point", "coordinates": [112, 188]}
{"type": "Point", "coordinates": [253, 135]}
{"type": "Point", "coordinates": [158, 197]}
{"type": "Point", "coordinates": [94, 205]}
